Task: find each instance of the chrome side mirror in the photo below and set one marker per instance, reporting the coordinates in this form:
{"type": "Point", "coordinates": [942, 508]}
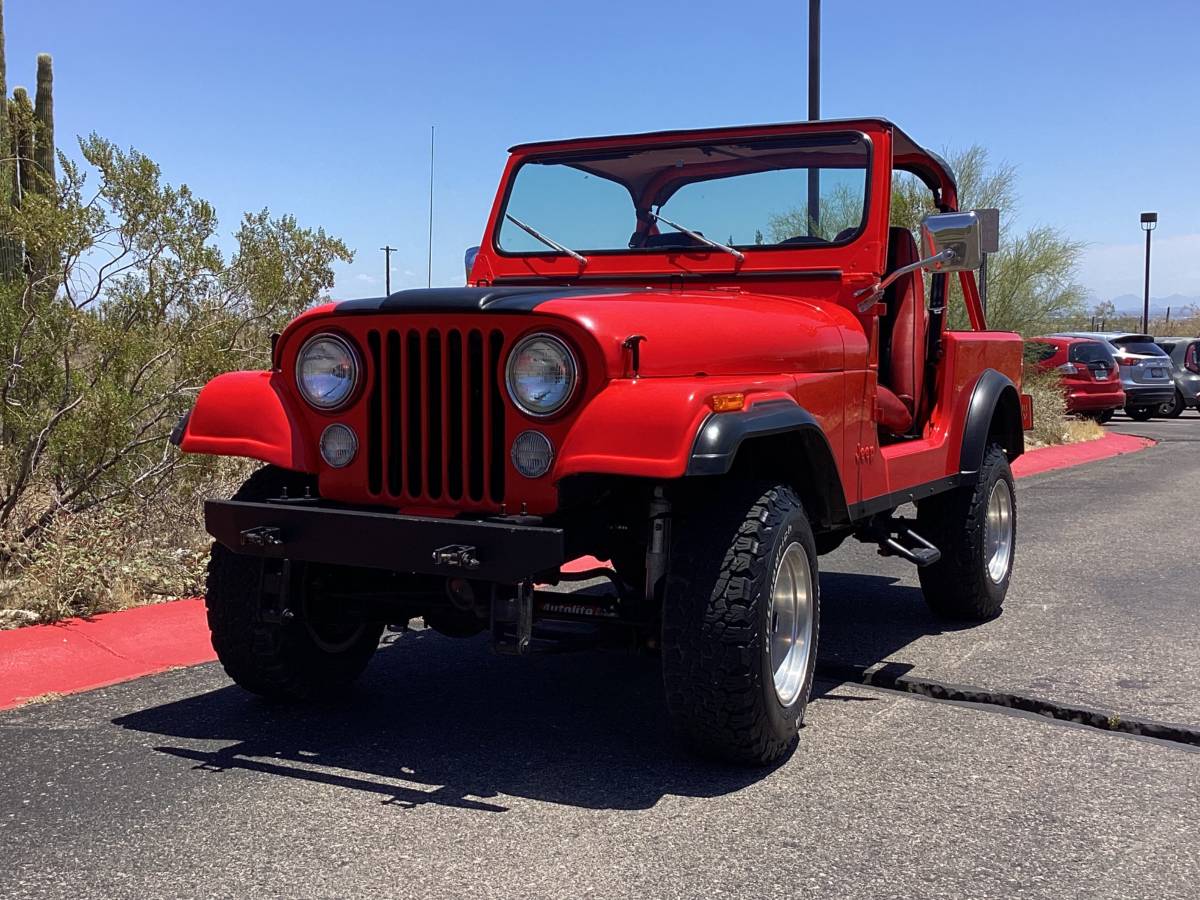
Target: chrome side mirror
{"type": "Point", "coordinates": [469, 260]}
{"type": "Point", "coordinates": [951, 241]}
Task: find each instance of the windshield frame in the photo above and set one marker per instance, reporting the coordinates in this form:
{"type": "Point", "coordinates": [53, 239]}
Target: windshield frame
{"type": "Point", "coordinates": [668, 252]}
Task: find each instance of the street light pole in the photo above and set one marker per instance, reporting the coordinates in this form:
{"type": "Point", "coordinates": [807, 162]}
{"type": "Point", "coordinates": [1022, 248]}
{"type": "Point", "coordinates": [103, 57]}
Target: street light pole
{"type": "Point", "coordinates": [814, 107]}
{"type": "Point", "coordinates": [814, 59]}
{"type": "Point", "coordinates": [387, 268]}
{"type": "Point", "coordinates": [1149, 223]}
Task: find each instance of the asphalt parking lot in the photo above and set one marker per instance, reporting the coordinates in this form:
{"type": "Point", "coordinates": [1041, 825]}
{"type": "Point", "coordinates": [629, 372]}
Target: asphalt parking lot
{"type": "Point", "coordinates": [453, 772]}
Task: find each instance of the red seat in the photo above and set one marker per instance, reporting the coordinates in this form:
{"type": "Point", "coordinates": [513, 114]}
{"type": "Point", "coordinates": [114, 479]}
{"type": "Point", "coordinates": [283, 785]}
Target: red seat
{"type": "Point", "coordinates": [902, 336]}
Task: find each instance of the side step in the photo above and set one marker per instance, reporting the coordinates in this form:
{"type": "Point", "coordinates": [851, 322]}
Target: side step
{"type": "Point", "coordinates": [911, 546]}
{"type": "Point", "coordinates": [896, 538]}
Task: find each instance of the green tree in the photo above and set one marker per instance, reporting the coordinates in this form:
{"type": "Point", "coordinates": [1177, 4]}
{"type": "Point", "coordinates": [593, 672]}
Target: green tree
{"type": "Point", "coordinates": [102, 355]}
{"type": "Point", "coordinates": [1031, 280]}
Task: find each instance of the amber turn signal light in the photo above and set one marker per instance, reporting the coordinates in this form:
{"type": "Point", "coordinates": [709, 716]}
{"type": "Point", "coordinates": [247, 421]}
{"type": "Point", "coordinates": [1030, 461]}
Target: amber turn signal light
{"type": "Point", "coordinates": [728, 402]}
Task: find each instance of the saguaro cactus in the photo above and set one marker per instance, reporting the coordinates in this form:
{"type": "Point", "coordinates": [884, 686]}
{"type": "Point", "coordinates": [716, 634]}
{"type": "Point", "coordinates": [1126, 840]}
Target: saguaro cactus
{"type": "Point", "coordinates": [4, 139]}
{"type": "Point", "coordinates": [27, 152]}
{"type": "Point", "coordinates": [43, 112]}
{"type": "Point", "coordinates": [10, 250]}
{"type": "Point", "coordinates": [21, 120]}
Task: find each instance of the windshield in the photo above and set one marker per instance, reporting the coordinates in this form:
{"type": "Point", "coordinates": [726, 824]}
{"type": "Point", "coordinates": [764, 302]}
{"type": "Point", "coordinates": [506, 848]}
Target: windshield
{"type": "Point", "coordinates": [751, 195]}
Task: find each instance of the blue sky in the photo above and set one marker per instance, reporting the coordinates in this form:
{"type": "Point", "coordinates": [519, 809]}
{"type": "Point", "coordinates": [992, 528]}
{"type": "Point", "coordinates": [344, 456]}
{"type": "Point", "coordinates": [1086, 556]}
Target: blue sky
{"type": "Point", "coordinates": [323, 109]}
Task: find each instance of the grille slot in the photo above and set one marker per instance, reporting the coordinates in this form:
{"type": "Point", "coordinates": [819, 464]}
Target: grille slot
{"type": "Point", "coordinates": [435, 416]}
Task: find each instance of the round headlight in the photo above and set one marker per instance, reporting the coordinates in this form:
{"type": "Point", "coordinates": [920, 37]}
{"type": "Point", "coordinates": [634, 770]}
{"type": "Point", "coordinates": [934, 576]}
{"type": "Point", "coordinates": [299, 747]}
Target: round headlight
{"type": "Point", "coordinates": [327, 371]}
{"type": "Point", "coordinates": [338, 445]}
{"type": "Point", "coordinates": [541, 374]}
{"type": "Point", "coordinates": [532, 454]}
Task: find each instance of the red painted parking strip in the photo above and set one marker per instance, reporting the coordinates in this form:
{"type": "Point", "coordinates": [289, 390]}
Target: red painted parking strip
{"type": "Point", "coordinates": [82, 654]}
{"type": "Point", "coordinates": [1064, 456]}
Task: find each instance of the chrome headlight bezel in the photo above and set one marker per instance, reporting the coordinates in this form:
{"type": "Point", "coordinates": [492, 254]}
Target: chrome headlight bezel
{"type": "Point", "coordinates": [356, 370]}
{"type": "Point", "coordinates": [570, 361]}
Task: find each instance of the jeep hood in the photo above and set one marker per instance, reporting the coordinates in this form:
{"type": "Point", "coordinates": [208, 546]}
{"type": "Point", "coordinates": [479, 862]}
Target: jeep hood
{"type": "Point", "coordinates": [710, 332]}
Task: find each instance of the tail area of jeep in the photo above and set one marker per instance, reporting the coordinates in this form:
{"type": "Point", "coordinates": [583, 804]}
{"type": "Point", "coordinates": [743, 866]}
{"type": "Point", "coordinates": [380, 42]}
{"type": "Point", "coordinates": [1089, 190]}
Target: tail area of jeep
{"type": "Point", "coordinates": [703, 356]}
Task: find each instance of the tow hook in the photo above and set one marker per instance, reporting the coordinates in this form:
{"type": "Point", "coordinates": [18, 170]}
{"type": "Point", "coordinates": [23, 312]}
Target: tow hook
{"type": "Point", "coordinates": [456, 556]}
{"type": "Point", "coordinates": [262, 536]}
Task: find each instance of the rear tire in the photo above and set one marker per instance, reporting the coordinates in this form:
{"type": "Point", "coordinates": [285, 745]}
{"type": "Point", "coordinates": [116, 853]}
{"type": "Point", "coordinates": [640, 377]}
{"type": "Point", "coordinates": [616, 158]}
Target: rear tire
{"type": "Point", "coordinates": [1104, 417]}
{"type": "Point", "coordinates": [1175, 408]}
{"type": "Point", "coordinates": [290, 660]}
{"type": "Point", "coordinates": [740, 619]}
{"type": "Point", "coordinates": [1140, 413]}
{"type": "Point", "coordinates": [975, 527]}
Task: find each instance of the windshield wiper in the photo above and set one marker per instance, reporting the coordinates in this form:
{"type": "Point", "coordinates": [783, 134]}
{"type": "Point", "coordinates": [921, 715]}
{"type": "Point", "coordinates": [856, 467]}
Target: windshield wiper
{"type": "Point", "coordinates": [552, 244]}
{"type": "Point", "coordinates": [736, 254]}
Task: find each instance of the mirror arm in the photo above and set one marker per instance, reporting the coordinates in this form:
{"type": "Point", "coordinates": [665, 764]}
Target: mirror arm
{"type": "Point", "coordinates": [875, 291]}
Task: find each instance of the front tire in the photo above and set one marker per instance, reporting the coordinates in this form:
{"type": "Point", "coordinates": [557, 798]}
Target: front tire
{"type": "Point", "coordinates": [293, 659]}
{"type": "Point", "coordinates": [1140, 413]}
{"type": "Point", "coordinates": [740, 619]}
{"type": "Point", "coordinates": [975, 527]}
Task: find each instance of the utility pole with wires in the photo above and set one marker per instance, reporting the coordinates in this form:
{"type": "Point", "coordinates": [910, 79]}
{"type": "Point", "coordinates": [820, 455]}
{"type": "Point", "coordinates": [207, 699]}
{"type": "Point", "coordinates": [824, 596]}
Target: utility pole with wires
{"type": "Point", "coordinates": [387, 268]}
{"type": "Point", "coordinates": [429, 260]}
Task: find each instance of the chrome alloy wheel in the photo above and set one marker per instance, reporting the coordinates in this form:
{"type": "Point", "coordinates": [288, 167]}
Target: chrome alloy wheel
{"type": "Point", "coordinates": [790, 621]}
{"type": "Point", "coordinates": [998, 531]}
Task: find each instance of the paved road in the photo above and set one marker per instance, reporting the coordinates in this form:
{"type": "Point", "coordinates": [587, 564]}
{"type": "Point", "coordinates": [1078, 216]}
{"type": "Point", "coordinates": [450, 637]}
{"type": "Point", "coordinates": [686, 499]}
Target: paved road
{"type": "Point", "coordinates": [453, 772]}
{"type": "Point", "coordinates": [1104, 608]}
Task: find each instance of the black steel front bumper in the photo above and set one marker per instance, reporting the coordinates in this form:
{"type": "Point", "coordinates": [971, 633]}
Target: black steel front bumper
{"type": "Point", "coordinates": [491, 551]}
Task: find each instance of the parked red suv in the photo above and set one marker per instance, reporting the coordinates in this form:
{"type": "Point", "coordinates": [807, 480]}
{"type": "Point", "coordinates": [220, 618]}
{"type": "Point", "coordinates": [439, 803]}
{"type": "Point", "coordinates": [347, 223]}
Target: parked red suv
{"type": "Point", "coordinates": [1089, 373]}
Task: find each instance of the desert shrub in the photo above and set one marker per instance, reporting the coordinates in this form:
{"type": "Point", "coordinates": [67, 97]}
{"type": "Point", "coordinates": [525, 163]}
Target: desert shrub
{"type": "Point", "coordinates": [1051, 424]}
{"type": "Point", "coordinates": [101, 354]}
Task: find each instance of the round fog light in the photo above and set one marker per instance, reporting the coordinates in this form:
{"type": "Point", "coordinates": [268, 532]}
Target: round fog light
{"type": "Point", "coordinates": [338, 445]}
{"type": "Point", "coordinates": [532, 454]}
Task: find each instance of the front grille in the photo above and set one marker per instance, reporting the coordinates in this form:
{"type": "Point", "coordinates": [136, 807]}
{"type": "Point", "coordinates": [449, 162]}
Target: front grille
{"type": "Point", "coordinates": [435, 415]}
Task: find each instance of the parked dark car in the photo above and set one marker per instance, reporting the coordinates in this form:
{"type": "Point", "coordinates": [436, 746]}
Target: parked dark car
{"type": "Point", "coordinates": [1144, 367]}
{"type": "Point", "coordinates": [1088, 370]}
{"type": "Point", "coordinates": [1185, 370]}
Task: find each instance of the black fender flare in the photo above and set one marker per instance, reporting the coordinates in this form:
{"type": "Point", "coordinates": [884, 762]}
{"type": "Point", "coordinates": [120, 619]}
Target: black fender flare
{"type": "Point", "coordinates": [994, 413]}
{"type": "Point", "coordinates": [721, 435]}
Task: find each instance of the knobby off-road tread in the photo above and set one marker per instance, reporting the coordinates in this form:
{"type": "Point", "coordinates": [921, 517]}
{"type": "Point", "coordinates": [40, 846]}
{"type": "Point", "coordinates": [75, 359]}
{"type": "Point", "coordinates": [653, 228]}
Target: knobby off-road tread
{"type": "Point", "coordinates": [958, 587]}
{"type": "Point", "coordinates": [275, 660]}
{"type": "Point", "coordinates": [722, 564]}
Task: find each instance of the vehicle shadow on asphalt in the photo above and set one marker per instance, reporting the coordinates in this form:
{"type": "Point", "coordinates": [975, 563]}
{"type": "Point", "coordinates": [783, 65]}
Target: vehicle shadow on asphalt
{"type": "Point", "coordinates": [865, 619]}
{"type": "Point", "coordinates": [443, 721]}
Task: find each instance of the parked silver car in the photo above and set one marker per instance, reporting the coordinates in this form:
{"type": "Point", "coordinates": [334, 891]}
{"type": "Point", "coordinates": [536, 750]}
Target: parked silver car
{"type": "Point", "coordinates": [1185, 370]}
{"type": "Point", "coordinates": [1145, 370]}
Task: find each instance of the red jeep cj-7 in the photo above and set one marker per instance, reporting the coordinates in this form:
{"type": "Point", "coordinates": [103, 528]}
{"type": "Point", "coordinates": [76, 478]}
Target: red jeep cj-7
{"type": "Point", "coordinates": [702, 355]}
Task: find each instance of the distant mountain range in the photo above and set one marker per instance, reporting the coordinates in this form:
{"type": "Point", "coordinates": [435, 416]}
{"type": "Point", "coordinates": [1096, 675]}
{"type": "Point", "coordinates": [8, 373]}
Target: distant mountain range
{"type": "Point", "coordinates": [1131, 304]}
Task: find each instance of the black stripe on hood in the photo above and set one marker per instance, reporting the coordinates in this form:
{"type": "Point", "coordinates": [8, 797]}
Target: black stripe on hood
{"type": "Point", "coordinates": [468, 299]}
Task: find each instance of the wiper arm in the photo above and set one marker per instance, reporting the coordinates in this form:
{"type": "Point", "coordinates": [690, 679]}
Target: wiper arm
{"type": "Point", "coordinates": [736, 254]}
{"type": "Point", "coordinates": [549, 242]}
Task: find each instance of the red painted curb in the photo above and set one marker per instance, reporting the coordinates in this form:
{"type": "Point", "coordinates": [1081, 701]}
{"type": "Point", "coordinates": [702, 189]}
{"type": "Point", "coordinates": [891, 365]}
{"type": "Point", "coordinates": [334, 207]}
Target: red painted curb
{"type": "Point", "coordinates": [1047, 459]}
{"type": "Point", "coordinates": [82, 654]}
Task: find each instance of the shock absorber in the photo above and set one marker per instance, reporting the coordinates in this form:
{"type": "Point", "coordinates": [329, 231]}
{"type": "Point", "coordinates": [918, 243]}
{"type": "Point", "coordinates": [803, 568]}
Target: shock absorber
{"type": "Point", "coordinates": [658, 547]}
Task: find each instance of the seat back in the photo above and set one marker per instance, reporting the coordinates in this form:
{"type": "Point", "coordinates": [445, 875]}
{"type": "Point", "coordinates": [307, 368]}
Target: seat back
{"type": "Point", "coordinates": [907, 321]}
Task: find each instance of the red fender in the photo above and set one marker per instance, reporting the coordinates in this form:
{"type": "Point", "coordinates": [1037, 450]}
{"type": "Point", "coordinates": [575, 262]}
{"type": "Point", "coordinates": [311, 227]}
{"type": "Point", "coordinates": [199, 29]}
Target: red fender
{"type": "Point", "coordinates": [659, 420]}
{"type": "Point", "coordinates": [248, 414]}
